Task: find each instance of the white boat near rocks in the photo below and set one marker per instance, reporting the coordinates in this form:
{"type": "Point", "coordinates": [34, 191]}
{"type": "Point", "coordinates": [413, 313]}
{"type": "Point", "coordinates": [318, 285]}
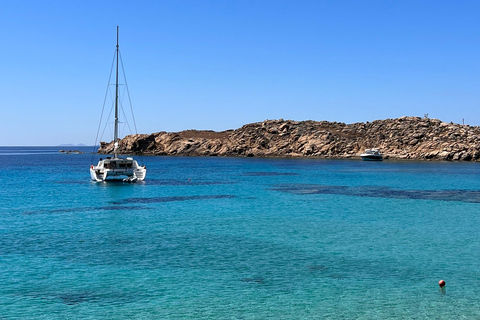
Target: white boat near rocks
{"type": "Point", "coordinates": [372, 155]}
{"type": "Point", "coordinates": [115, 167]}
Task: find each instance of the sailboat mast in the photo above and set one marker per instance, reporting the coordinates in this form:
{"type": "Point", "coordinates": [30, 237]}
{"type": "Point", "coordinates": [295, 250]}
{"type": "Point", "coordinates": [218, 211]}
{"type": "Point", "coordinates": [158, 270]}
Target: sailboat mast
{"type": "Point", "coordinates": [115, 136]}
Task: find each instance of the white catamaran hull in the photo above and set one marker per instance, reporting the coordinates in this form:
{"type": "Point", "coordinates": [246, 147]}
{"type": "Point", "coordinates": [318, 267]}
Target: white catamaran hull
{"type": "Point", "coordinates": [118, 169]}
{"type": "Point", "coordinates": [138, 175]}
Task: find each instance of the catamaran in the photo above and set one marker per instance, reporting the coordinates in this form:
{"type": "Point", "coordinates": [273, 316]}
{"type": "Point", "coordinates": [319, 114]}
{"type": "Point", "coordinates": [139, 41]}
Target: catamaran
{"type": "Point", "coordinates": [115, 167]}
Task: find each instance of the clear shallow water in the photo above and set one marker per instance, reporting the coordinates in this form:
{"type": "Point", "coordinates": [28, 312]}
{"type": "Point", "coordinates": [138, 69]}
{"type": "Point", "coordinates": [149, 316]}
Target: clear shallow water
{"type": "Point", "coordinates": [242, 239]}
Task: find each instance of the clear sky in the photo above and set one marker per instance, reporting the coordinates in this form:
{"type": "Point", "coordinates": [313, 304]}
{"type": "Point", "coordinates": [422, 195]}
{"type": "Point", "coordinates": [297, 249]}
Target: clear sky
{"type": "Point", "coordinates": [219, 64]}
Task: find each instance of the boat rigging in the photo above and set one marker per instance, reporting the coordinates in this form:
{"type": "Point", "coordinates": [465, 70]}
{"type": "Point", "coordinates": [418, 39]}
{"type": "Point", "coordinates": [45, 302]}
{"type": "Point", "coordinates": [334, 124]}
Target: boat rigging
{"type": "Point", "coordinates": [117, 167]}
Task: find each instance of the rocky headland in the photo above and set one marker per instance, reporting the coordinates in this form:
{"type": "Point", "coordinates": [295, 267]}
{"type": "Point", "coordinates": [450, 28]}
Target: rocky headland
{"type": "Point", "coordinates": [403, 138]}
{"type": "Point", "coordinates": [71, 151]}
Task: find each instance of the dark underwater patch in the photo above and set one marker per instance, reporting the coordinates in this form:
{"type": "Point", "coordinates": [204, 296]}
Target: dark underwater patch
{"type": "Point", "coordinates": [84, 209]}
{"type": "Point", "coordinates": [253, 280]}
{"type": "Point", "coordinates": [111, 208]}
{"type": "Point", "coordinates": [173, 199]}
{"type": "Point", "coordinates": [185, 182]}
{"type": "Point", "coordinates": [317, 267]}
{"type": "Point", "coordinates": [77, 298]}
{"type": "Point", "coordinates": [268, 174]}
{"type": "Point", "coordinates": [470, 196]}
{"type": "Point", "coordinates": [73, 182]}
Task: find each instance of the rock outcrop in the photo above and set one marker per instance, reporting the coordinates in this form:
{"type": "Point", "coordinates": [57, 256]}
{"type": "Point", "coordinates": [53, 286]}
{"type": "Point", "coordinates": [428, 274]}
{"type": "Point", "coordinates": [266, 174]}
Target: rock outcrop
{"type": "Point", "coordinates": [403, 138]}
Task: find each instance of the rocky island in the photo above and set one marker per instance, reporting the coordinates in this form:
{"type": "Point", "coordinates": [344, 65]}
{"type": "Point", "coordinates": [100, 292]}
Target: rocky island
{"type": "Point", "coordinates": [402, 138]}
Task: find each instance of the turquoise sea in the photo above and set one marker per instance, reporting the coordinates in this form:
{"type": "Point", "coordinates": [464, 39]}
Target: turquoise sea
{"type": "Point", "coordinates": [238, 238]}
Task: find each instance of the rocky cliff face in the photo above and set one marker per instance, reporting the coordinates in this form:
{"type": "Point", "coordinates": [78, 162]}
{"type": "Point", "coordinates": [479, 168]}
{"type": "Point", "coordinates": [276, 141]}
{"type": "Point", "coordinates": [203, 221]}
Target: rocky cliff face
{"type": "Point", "coordinates": [403, 138]}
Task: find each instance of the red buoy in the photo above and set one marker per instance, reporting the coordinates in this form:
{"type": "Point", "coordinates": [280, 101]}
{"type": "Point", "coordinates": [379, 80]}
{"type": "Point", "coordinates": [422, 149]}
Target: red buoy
{"type": "Point", "coordinates": [441, 283]}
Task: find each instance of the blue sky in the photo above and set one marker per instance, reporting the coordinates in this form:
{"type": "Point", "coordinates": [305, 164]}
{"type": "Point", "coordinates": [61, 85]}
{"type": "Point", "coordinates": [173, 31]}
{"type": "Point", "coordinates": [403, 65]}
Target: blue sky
{"type": "Point", "coordinates": [208, 64]}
